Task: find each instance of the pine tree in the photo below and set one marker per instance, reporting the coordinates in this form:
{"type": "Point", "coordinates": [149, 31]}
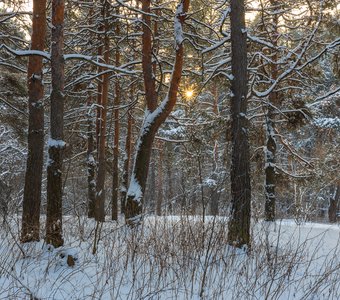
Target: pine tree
{"type": "Point", "coordinates": [239, 223]}
{"type": "Point", "coordinates": [56, 143]}
{"type": "Point", "coordinates": [35, 157]}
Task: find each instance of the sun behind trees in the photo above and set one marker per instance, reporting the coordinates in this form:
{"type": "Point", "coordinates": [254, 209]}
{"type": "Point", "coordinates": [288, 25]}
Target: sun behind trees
{"type": "Point", "coordinates": [169, 149]}
{"type": "Point", "coordinates": [226, 108]}
{"type": "Point", "coordinates": [155, 113]}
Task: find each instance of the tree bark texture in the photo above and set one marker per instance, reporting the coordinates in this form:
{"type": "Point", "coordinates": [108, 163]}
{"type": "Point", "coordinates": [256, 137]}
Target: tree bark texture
{"type": "Point", "coordinates": [35, 156]}
{"type": "Point", "coordinates": [92, 205]}
{"type": "Point", "coordinates": [239, 223]}
{"type": "Point", "coordinates": [154, 115]}
{"type": "Point", "coordinates": [115, 168]}
{"type": "Point", "coordinates": [101, 148]}
{"type": "Point", "coordinates": [91, 158]}
{"type": "Point", "coordinates": [56, 143]}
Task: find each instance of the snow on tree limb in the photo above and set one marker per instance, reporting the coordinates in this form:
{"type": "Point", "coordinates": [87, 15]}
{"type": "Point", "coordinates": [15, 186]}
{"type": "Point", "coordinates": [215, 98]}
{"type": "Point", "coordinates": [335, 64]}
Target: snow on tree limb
{"type": "Point", "coordinates": [91, 59]}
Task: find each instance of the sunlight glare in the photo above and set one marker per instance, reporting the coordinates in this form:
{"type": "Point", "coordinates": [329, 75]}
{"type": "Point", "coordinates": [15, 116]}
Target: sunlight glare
{"type": "Point", "coordinates": [189, 94]}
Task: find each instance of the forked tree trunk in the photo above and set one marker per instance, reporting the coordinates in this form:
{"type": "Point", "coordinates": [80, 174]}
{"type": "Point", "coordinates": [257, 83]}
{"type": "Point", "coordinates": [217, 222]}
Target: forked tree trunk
{"type": "Point", "coordinates": [154, 116]}
{"type": "Point", "coordinates": [33, 176]}
{"type": "Point", "coordinates": [101, 148]}
{"type": "Point", "coordinates": [239, 223]}
{"type": "Point", "coordinates": [56, 144]}
{"type": "Point", "coordinates": [115, 171]}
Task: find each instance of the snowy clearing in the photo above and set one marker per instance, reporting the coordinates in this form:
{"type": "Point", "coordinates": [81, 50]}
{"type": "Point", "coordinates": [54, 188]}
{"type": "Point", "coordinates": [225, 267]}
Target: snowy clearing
{"type": "Point", "coordinates": [173, 258]}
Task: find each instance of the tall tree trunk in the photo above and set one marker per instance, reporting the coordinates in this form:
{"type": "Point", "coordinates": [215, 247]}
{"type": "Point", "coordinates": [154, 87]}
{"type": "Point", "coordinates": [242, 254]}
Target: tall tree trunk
{"type": "Point", "coordinates": [239, 223]}
{"type": "Point", "coordinates": [91, 134]}
{"type": "Point", "coordinates": [101, 78]}
{"type": "Point", "coordinates": [270, 153]}
{"type": "Point", "coordinates": [153, 117]}
{"type": "Point", "coordinates": [92, 204]}
{"type": "Point", "coordinates": [101, 172]}
{"type": "Point", "coordinates": [33, 176]}
{"type": "Point", "coordinates": [56, 144]}
{"type": "Point", "coordinates": [91, 162]}
{"type": "Point", "coordinates": [115, 171]}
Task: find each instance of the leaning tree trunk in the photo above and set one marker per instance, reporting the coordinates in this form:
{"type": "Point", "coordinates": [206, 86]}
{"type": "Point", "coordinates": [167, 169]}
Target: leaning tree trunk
{"type": "Point", "coordinates": [56, 144]}
{"type": "Point", "coordinates": [154, 116]}
{"type": "Point", "coordinates": [33, 176]}
{"type": "Point", "coordinates": [239, 223]}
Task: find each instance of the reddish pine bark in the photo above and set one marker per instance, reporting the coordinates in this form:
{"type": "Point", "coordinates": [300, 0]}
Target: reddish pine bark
{"type": "Point", "coordinates": [33, 176]}
{"type": "Point", "coordinates": [134, 203]}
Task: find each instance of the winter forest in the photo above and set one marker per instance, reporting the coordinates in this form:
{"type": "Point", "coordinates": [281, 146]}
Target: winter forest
{"type": "Point", "coordinates": [170, 149]}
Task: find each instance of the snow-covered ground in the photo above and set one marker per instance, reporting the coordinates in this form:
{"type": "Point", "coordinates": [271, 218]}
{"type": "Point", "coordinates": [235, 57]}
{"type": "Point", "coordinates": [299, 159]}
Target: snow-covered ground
{"type": "Point", "coordinates": [173, 258]}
